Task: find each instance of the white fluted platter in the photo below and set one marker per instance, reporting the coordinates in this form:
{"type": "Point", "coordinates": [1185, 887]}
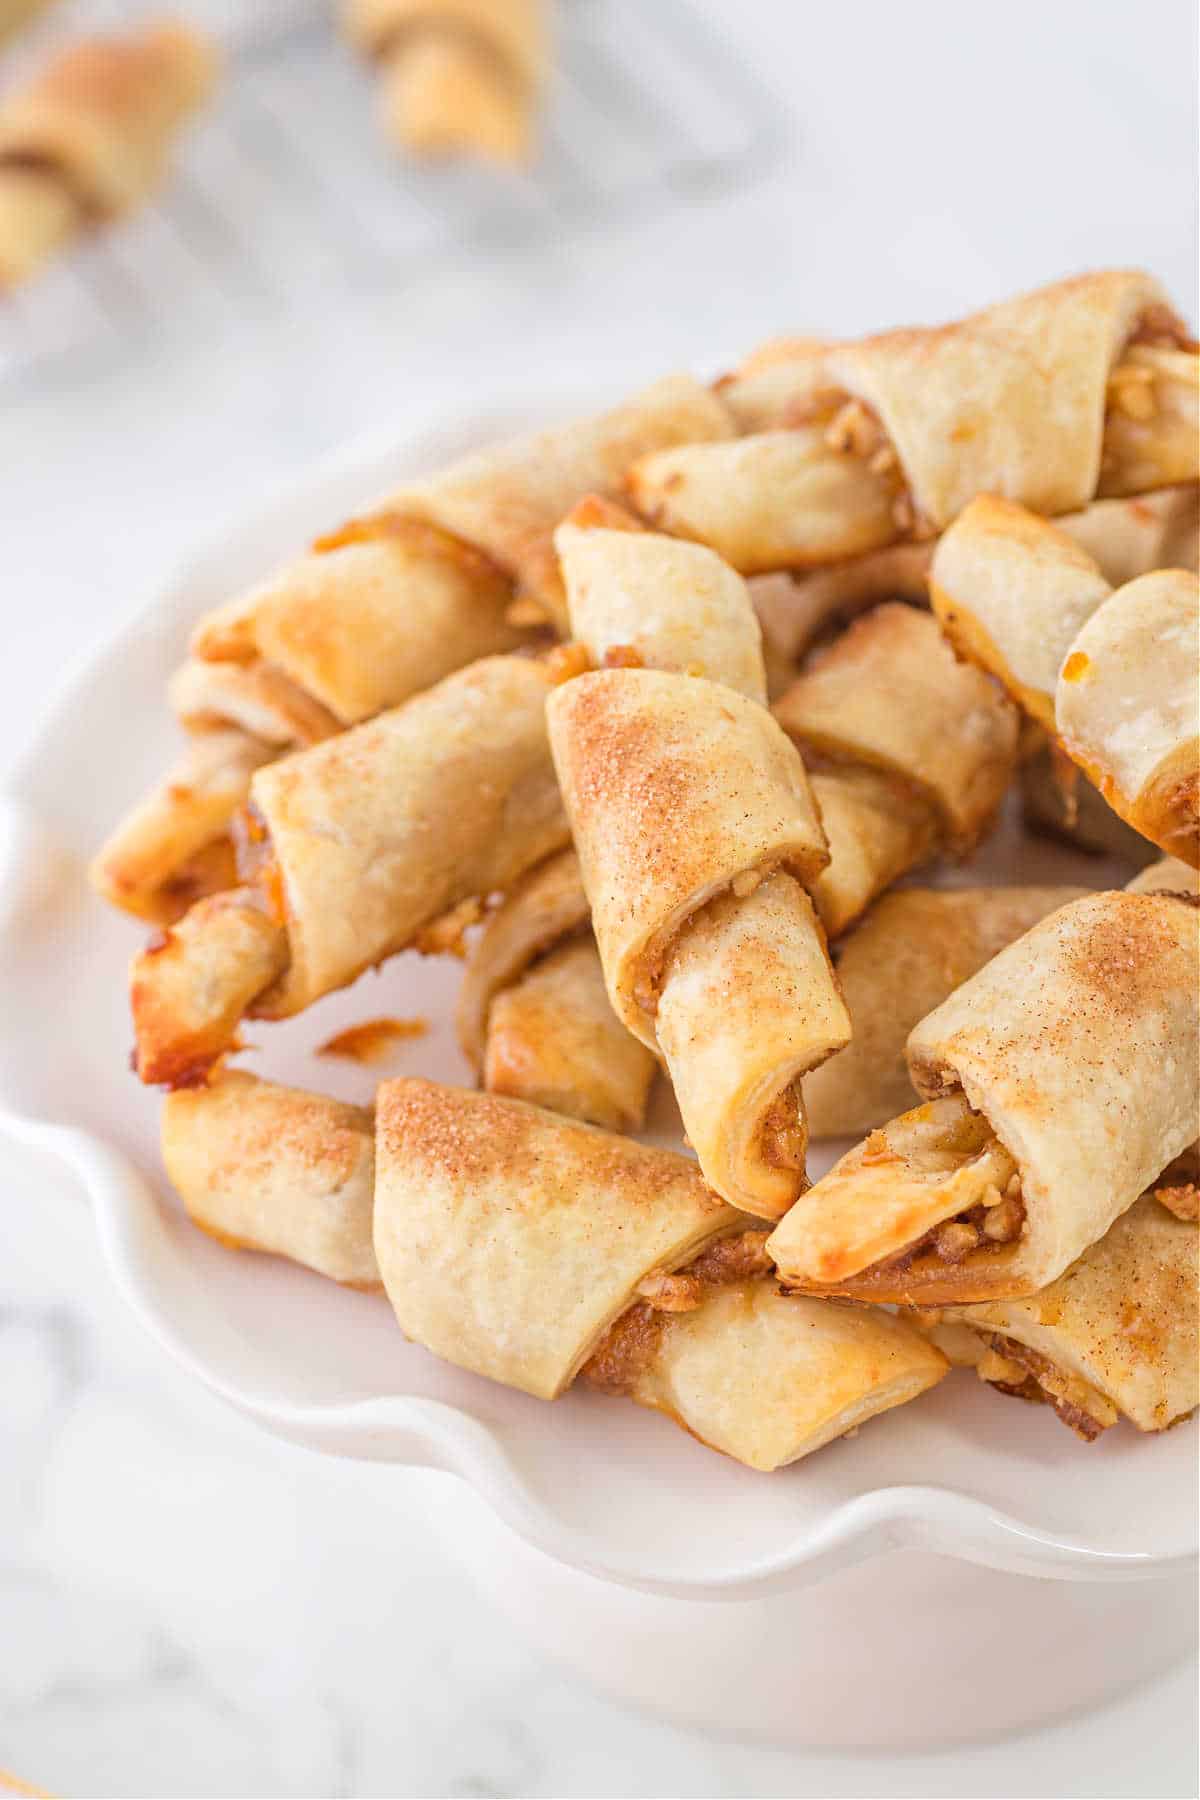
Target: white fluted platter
{"type": "Point", "coordinates": [597, 1484]}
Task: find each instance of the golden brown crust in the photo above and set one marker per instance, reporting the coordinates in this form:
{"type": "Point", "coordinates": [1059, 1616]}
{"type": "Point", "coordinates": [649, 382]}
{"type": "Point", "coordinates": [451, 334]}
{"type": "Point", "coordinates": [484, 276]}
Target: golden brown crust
{"type": "Point", "coordinates": [711, 949]}
{"type": "Point", "coordinates": [175, 846]}
{"type": "Point", "coordinates": [376, 612]}
{"type": "Point", "coordinates": [191, 986]}
{"type": "Point", "coordinates": [510, 1238]}
{"type": "Point", "coordinates": [360, 842]}
{"type": "Point", "coordinates": [508, 499]}
{"type": "Point", "coordinates": [547, 906]}
{"type": "Point", "coordinates": [276, 1169]}
{"type": "Point", "coordinates": [636, 747]}
{"type": "Point", "coordinates": [1075, 1050]}
{"type": "Point", "coordinates": [961, 406]}
{"type": "Point", "coordinates": [553, 1039]}
{"type": "Point", "coordinates": [1122, 1320]}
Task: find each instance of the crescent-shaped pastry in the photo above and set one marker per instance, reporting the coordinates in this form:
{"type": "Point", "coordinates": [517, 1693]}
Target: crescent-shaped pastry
{"type": "Point", "coordinates": [510, 1238]}
{"type": "Point", "coordinates": [765, 1377]}
{"type": "Point", "coordinates": [1116, 1335]}
{"type": "Point", "coordinates": [904, 958]}
{"type": "Point", "coordinates": [276, 1169]}
{"type": "Point", "coordinates": [1125, 538]}
{"type": "Point", "coordinates": [772, 500]}
{"type": "Point", "coordinates": [696, 833]}
{"type": "Point", "coordinates": [375, 612]}
{"type": "Point", "coordinates": [1110, 674]}
{"type": "Point", "coordinates": [1127, 707]}
{"type": "Point", "coordinates": [534, 1250]}
{"type": "Point", "coordinates": [534, 1016]}
{"type": "Point", "coordinates": [89, 138]}
{"type": "Point", "coordinates": [910, 752]}
{"type": "Point", "coordinates": [456, 76]}
{"type": "Point", "coordinates": [175, 846]}
{"type": "Point", "coordinates": [350, 849]}
{"type": "Point", "coordinates": [529, 1248]}
{"type": "Point", "coordinates": [1060, 1080]}
{"type": "Point", "coordinates": [256, 698]}
{"type": "Point", "coordinates": [891, 437]}
{"type": "Point", "coordinates": [389, 604]}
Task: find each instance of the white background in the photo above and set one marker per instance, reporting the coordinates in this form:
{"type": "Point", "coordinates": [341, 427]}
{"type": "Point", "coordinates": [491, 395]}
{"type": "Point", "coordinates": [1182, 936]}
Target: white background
{"type": "Point", "coordinates": [186, 1607]}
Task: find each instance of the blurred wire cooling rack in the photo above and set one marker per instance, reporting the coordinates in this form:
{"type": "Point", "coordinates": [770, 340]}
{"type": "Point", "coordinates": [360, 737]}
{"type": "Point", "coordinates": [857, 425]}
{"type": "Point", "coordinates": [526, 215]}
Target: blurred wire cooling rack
{"type": "Point", "coordinates": [286, 186]}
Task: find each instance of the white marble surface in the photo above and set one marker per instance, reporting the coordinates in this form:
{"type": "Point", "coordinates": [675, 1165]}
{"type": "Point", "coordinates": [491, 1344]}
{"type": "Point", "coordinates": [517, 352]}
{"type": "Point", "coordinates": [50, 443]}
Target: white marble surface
{"type": "Point", "coordinates": [185, 1606]}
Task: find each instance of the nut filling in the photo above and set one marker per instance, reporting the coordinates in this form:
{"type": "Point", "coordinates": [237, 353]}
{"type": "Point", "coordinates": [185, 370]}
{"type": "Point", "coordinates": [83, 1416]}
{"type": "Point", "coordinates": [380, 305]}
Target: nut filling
{"type": "Point", "coordinates": [629, 1345]}
{"type": "Point", "coordinates": [995, 1220]}
{"type": "Point", "coordinates": [783, 1138]}
{"type": "Point", "coordinates": [1013, 1368]}
{"type": "Point", "coordinates": [852, 428]}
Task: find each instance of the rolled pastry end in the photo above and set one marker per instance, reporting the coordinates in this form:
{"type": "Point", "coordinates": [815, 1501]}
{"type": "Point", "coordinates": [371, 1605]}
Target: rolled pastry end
{"type": "Point", "coordinates": [636, 747]}
{"type": "Point", "coordinates": [763, 1377]}
{"type": "Point", "coordinates": [1116, 1335]}
{"type": "Point", "coordinates": [749, 1004]}
{"type": "Point", "coordinates": [1128, 712]}
{"type": "Point", "coordinates": [194, 982]}
{"type": "Point", "coordinates": [771, 500]}
{"type": "Point", "coordinates": [1010, 591]}
{"type": "Point", "coordinates": [878, 829]}
{"type": "Point", "coordinates": [253, 697]}
{"type": "Point", "coordinates": [900, 1217]}
{"type": "Point", "coordinates": [510, 1238]}
{"type": "Point", "coordinates": [644, 599]}
{"type": "Point", "coordinates": [1061, 1078]}
{"type": "Point", "coordinates": [1152, 422]}
{"type": "Point", "coordinates": [278, 1170]}
{"type": "Point", "coordinates": [175, 847]}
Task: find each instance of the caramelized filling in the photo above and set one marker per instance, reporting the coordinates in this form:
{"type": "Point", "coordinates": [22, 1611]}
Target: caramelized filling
{"type": "Point", "coordinates": [1183, 1201]}
{"type": "Point", "coordinates": [783, 1139]}
{"type": "Point", "coordinates": [1015, 1369]}
{"type": "Point", "coordinates": [595, 511]}
{"type": "Point", "coordinates": [373, 1040]}
{"type": "Point", "coordinates": [447, 936]}
{"type": "Point", "coordinates": [629, 1345]}
{"type": "Point", "coordinates": [623, 656]}
{"type": "Point", "coordinates": [994, 1221]}
{"type": "Point", "coordinates": [566, 661]}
